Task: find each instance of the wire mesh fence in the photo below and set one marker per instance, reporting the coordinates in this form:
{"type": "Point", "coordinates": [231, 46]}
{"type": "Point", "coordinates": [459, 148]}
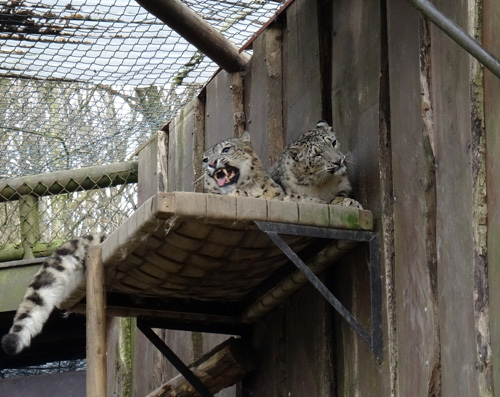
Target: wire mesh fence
{"type": "Point", "coordinates": [85, 83]}
{"type": "Point", "coordinates": [40, 212]}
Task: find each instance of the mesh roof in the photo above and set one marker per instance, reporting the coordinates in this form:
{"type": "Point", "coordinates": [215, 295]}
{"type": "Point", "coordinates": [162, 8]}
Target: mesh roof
{"type": "Point", "coordinates": [87, 82]}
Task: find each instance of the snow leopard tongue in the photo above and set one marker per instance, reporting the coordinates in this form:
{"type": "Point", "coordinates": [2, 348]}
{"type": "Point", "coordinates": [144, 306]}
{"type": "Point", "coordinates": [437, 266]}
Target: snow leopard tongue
{"type": "Point", "coordinates": [226, 176]}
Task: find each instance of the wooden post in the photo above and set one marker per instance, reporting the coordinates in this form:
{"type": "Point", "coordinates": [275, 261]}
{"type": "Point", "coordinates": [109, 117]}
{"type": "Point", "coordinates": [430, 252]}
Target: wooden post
{"type": "Point", "coordinates": [96, 324]}
{"type": "Point", "coordinates": [199, 142]}
{"type": "Point", "coordinates": [30, 224]}
{"type": "Point", "coordinates": [273, 41]}
{"type": "Point", "coordinates": [198, 32]}
{"type": "Point", "coordinates": [238, 105]}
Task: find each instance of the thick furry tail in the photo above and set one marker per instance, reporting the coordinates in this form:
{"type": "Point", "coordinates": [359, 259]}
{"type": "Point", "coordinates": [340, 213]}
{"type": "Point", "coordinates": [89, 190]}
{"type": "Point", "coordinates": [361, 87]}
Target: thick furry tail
{"type": "Point", "coordinates": [60, 275]}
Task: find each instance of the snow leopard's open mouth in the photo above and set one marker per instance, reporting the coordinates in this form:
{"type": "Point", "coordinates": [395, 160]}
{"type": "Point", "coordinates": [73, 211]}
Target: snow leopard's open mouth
{"type": "Point", "coordinates": [226, 176]}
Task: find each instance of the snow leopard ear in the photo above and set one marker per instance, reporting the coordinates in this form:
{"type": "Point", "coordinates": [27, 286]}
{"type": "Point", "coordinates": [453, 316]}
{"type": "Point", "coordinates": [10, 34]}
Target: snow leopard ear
{"type": "Point", "coordinates": [245, 137]}
{"type": "Point", "coordinates": [323, 126]}
{"type": "Point", "coordinates": [294, 152]}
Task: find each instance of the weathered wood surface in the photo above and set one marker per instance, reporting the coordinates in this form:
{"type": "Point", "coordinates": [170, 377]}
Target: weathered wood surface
{"type": "Point", "coordinates": [301, 66]}
{"type": "Point", "coordinates": [96, 325]}
{"type": "Point", "coordinates": [219, 116]}
{"type": "Point", "coordinates": [491, 41]}
{"type": "Point", "coordinates": [264, 95]}
{"type": "Point", "coordinates": [198, 142]}
{"type": "Point", "coordinates": [417, 363]}
{"type": "Point", "coordinates": [294, 342]}
{"type": "Point", "coordinates": [461, 272]}
{"type": "Point", "coordinates": [223, 366]}
{"type": "Point", "coordinates": [153, 173]}
{"type": "Point", "coordinates": [180, 149]}
{"type": "Point", "coordinates": [356, 76]}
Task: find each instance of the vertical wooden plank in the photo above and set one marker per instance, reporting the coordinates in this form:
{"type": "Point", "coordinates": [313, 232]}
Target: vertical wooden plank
{"type": "Point", "coordinates": [414, 206]}
{"type": "Point", "coordinates": [153, 168]}
{"type": "Point", "coordinates": [355, 93]}
{"type": "Point", "coordinates": [96, 324]}
{"type": "Point", "coordinates": [301, 66]}
{"type": "Point", "coordinates": [199, 142]}
{"type": "Point", "coordinates": [491, 41]}
{"type": "Point", "coordinates": [224, 109]}
{"type": "Point", "coordinates": [309, 357]}
{"type": "Point", "coordinates": [264, 108]}
{"type": "Point", "coordinates": [264, 95]}
{"type": "Point", "coordinates": [239, 118]}
{"type": "Point", "coordinates": [181, 149]}
{"type": "Point", "coordinates": [356, 75]}
{"type": "Point", "coordinates": [456, 149]}
{"type": "Point", "coordinates": [219, 117]}
{"type": "Point", "coordinates": [269, 339]}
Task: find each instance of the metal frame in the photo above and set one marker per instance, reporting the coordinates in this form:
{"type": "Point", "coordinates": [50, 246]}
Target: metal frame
{"type": "Point", "coordinates": [375, 339]}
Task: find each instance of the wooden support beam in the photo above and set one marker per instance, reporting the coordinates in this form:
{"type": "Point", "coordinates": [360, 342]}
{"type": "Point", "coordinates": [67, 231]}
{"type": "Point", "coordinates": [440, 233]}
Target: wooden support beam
{"type": "Point", "coordinates": [198, 32]}
{"type": "Point", "coordinates": [225, 365]}
{"type": "Point", "coordinates": [238, 105]}
{"type": "Point", "coordinates": [96, 324]}
{"type": "Point", "coordinates": [86, 178]}
{"type": "Point", "coordinates": [30, 224]}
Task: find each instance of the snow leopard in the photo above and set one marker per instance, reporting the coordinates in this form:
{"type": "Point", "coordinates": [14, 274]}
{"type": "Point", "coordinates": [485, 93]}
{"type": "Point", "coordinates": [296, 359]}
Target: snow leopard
{"type": "Point", "coordinates": [314, 167]}
{"type": "Point", "coordinates": [232, 167]}
{"type": "Point", "coordinates": [60, 276]}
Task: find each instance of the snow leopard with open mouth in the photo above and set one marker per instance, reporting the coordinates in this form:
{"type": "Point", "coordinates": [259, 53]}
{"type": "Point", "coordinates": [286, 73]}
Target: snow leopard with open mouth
{"type": "Point", "coordinates": [232, 167]}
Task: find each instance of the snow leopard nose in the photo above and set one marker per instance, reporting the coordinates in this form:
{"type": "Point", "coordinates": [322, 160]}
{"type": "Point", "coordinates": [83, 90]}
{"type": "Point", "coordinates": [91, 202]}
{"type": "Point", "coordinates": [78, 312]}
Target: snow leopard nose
{"type": "Point", "coordinates": [213, 164]}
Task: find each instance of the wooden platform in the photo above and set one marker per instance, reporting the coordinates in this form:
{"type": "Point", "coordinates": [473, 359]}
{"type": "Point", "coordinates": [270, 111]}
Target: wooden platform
{"type": "Point", "coordinates": [196, 261]}
{"type": "Point", "coordinates": [200, 257]}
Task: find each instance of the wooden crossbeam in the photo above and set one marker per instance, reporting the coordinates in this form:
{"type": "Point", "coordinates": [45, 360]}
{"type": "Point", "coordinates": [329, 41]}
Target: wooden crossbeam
{"type": "Point", "coordinates": [198, 32]}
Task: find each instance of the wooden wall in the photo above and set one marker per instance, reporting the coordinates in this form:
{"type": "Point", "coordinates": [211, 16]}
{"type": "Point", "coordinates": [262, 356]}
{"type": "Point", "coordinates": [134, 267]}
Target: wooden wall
{"type": "Point", "coordinates": [421, 124]}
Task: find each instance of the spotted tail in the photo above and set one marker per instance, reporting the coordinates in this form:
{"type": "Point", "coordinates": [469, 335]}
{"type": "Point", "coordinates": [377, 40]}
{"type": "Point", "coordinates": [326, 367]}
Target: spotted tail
{"type": "Point", "coordinates": [60, 276]}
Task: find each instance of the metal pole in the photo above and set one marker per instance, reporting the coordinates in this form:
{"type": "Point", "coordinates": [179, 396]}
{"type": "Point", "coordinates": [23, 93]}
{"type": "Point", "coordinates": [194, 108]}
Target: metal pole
{"type": "Point", "coordinates": [458, 35]}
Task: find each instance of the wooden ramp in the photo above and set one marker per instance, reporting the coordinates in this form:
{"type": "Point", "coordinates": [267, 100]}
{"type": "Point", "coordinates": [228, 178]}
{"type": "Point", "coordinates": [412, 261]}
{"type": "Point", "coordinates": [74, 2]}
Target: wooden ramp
{"type": "Point", "coordinates": [205, 262]}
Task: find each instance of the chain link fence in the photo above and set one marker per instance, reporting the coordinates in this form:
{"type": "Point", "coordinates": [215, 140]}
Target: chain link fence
{"type": "Point", "coordinates": [85, 84]}
{"type": "Point", "coordinates": [42, 211]}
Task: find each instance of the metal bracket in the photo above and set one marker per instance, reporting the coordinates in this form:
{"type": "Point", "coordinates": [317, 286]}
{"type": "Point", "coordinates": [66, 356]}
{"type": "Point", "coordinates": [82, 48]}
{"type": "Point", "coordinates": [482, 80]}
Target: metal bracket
{"type": "Point", "coordinates": [375, 339]}
{"type": "Point", "coordinates": [173, 358]}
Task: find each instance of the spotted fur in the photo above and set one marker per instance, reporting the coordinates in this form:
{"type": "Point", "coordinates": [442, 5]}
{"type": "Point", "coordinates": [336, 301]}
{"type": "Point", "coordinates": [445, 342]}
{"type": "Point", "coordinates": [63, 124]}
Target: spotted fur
{"type": "Point", "coordinates": [61, 277]}
{"type": "Point", "coordinates": [313, 167]}
{"type": "Point", "coordinates": [231, 167]}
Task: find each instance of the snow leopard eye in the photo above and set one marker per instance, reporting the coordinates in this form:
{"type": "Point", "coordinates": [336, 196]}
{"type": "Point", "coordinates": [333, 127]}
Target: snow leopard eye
{"type": "Point", "coordinates": [205, 159]}
{"type": "Point", "coordinates": [334, 143]}
{"type": "Point", "coordinates": [226, 149]}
